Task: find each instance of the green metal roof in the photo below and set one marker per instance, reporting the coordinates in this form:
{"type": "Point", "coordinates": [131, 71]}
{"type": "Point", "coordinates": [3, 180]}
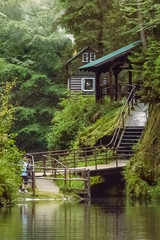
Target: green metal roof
{"type": "Point", "coordinates": [110, 57]}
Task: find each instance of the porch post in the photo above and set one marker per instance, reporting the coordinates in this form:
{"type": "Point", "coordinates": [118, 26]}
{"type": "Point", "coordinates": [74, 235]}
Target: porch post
{"type": "Point", "coordinates": [111, 83]}
{"type": "Point", "coordinates": [98, 91]}
{"type": "Point", "coordinates": [116, 86]}
{"type": "Point", "coordinates": [130, 77]}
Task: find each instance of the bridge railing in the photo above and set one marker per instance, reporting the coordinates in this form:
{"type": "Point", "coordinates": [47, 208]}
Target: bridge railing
{"type": "Point", "coordinates": [73, 158]}
{"type": "Point", "coordinates": [61, 173]}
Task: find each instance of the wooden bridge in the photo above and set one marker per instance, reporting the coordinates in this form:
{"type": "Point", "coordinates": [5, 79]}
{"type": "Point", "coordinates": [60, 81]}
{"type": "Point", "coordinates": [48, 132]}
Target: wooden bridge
{"type": "Point", "coordinates": [72, 165]}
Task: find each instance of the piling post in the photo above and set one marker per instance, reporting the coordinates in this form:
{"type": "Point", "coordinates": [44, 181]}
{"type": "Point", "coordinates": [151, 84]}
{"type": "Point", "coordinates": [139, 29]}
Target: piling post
{"type": "Point", "coordinates": [106, 155]}
{"type": "Point", "coordinates": [88, 184]}
{"type": "Point", "coordinates": [74, 159]}
{"type": "Point", "coordinates": [65, 177]}
{"type": "Point", "coordinates": [54, 167]}
{"type": "Point", "coordinates": [116, 161]}
{"type": "Point", "coordinates": [85, 157]}
{"type": "Point", "coordinates": [33, 175]}
{"type": "Point", "coordinates": [44, 166]}
{"type": "Point", "coordinates": [95, 154]}
{"type": "Point", "coordinates": [86, 175]}
{"type": "Point", "coordinates": [70, 179]}
{"type": "Point", "coordinates": [33, 182]}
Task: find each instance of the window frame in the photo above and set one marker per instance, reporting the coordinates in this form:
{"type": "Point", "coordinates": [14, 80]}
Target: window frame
{"type": "Point", "coordinates": [83, 84]}
{"type": "Point", "coordinates": [85, 57]}
{"type": "Point", "coordinates": [92, 58]}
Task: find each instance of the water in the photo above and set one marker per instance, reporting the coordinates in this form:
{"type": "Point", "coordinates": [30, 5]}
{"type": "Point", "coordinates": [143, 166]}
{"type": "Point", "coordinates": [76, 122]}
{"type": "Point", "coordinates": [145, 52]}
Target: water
{"type": "Point", "coordinates": [104, 220]}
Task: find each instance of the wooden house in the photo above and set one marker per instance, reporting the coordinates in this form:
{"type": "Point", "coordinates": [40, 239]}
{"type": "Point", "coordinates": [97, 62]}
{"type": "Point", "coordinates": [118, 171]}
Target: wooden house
{"type": "Point", "coordinates": [81, 81]}
{"type": "Point", "coordinates": [107, 70]}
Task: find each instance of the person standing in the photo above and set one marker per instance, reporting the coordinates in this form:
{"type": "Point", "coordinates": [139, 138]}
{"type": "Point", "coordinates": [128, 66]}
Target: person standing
{"type": "Point", "coordinates": [24, 175]}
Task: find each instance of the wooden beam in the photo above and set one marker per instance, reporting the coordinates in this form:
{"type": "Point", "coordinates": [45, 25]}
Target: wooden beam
{"type": "Point", "coordinates": [130, 77]}
{"type": "Point", "coordinates": [116, 71]}
{"type": "Point", "coordinates": [111, 83]}
{"type": "Point", "coordinates": [116, 86]}
{"type": "Point", "coordinates": [98, 91]}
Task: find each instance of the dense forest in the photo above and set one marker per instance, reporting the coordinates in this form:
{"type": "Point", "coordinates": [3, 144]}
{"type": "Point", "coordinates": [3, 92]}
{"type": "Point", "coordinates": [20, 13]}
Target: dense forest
{"type": "Point", "coordinates": [37, 37]}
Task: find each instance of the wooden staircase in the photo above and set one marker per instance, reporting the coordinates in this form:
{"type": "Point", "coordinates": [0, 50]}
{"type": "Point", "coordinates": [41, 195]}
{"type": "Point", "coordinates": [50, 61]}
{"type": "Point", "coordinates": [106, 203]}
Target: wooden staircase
{"type": "Point", "coordinates": [130, 138]}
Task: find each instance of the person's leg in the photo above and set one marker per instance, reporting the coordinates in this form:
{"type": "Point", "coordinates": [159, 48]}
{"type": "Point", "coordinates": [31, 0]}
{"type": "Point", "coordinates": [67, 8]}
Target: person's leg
{"type": "Point", "coordinates": [25, 183]}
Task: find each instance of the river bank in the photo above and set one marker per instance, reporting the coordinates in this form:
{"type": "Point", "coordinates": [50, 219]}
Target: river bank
{"type": "Point", "coordinates": [44, 195]}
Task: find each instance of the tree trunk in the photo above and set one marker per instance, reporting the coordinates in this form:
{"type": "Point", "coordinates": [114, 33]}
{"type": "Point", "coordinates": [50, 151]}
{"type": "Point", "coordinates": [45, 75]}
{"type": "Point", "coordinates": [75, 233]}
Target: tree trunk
{"type": "Point", "coordinates": [140, 21]}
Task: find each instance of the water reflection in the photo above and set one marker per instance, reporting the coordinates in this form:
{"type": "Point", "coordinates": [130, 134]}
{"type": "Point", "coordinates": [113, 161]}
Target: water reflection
{"type": "Point", "coordinates": [109, 219]}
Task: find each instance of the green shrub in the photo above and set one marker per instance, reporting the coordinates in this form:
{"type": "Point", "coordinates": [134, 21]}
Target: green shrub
{"type": "Point", "coordinates": [10, 179]}
{"type": "Point", "coordinates": [10, 156]}
{"type": "Point", "coordinates": [82, 122]}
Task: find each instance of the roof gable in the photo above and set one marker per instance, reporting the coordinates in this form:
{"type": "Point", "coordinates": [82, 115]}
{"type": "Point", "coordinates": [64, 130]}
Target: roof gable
{"type": "Point", "coordinates": [83, 50]}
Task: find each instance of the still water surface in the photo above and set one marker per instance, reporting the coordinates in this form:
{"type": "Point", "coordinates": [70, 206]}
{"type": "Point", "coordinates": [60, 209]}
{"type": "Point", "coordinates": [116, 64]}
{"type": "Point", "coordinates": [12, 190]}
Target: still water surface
{"type": "Point", "coordinates": [104, 220]}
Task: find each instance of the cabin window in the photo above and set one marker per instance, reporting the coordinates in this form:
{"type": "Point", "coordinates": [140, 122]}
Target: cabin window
{"type": "Point", "coordinates": [92, 57]}
{"type": "Point", "coordinates": [85, 57]}
{"type": "Point", "coordinates": [88, 84]}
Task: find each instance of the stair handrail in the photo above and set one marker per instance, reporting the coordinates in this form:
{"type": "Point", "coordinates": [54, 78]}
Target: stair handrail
{"type": "Point", "coordinates": [123, 114]}
{"type": "Point", "coordinates": [56, 160]}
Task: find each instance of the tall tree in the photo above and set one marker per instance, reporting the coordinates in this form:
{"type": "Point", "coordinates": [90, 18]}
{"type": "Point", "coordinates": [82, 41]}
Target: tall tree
{"type": "Point", "coordinates": [99, 23]}
{"type": "Point", "coordinates": [32, 57]}
{"type": "Point", "coordinates": [85, 20]}
{"type": "Point", "coordinates": [142, 17]}
{"type": "Point", "coordinates": [34, 100]}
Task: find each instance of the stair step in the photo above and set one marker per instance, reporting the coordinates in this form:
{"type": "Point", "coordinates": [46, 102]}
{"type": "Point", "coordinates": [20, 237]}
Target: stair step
{"type": "Point", "coordinates": [125, 147]}
{"type": "Point", "coordinates": [134, 127]}
{"type": "Point", "coordinates": [133, 132]}
{"type": "Point", "coordinates": [124, 151]}
{"type": "Point", "coordinates": [124, 155]}
{"type": "Point", "coordinates": [127, 144]}
{"type": "Point", "coordinates": [129, 149]}
{"type": "Point", "coordinates": [130, 137]}
{"type": "Point", "coordinates": [130, 140]}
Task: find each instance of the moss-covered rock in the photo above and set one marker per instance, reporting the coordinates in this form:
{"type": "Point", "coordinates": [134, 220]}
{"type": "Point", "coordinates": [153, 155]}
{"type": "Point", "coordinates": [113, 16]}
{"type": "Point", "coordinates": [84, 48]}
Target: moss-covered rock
{"type": "Point", "coordinates": [142, 174]}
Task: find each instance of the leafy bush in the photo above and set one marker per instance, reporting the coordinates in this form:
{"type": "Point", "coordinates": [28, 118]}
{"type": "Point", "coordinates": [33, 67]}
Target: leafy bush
{"type": "Point", "coordinates": [10, 179]}
{"type": "Point", "coordinates": [9, 155]}
{"type": "Point", "coordinates": [82, 122]}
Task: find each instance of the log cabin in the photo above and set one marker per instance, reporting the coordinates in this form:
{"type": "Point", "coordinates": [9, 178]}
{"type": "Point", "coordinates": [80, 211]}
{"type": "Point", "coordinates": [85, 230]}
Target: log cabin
{"type": "Point", "coordinates": [81, 81]}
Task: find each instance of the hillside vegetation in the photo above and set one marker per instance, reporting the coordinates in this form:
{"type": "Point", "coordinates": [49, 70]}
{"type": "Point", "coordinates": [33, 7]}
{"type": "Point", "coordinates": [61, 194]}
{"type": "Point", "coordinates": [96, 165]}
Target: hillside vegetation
{"type": "Point", "coordinates": [82, 122]}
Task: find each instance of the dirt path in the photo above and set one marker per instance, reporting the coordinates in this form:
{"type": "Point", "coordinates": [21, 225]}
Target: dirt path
{"type": "Point", "coordinates": [46, 185]}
